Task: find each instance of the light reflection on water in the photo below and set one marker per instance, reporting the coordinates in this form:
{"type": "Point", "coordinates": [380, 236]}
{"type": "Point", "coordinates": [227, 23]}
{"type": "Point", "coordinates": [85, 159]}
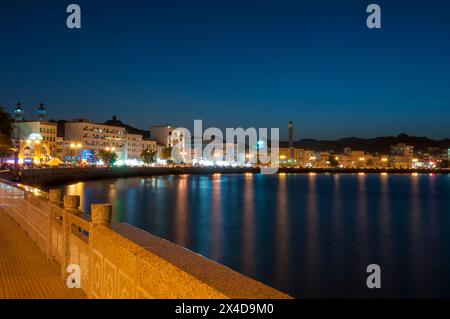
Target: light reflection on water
{"type": "Point", "coordinates": [308, 235]}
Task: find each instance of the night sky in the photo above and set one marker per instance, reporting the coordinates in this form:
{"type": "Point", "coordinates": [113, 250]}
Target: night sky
{"type": "Point", "coordinates": [233, 63]}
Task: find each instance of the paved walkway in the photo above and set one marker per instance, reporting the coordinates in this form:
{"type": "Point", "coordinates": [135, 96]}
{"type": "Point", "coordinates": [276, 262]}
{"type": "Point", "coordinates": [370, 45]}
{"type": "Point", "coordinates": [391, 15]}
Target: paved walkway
{"type": "Point", "coordinates": [25, 272]}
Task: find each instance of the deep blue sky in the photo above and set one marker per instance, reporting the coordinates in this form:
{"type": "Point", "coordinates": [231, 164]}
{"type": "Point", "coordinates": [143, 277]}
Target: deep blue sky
{"type": "Point", "coordinates": [234, 63]}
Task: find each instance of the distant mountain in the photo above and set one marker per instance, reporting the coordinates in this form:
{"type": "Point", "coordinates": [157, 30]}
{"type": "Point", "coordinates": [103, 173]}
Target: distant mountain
{"type": "Point", "coordinates": [130, 129]}
{"type": "Point", "coordinates": [372, 145]}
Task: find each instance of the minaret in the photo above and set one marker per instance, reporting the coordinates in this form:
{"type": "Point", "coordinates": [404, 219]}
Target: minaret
{"type": "Point", "coordinates": [291, 142]}
{"type": "Point", "coordinates": [42, 112]}
{"type": "Point", "coordinates": [18, 112]}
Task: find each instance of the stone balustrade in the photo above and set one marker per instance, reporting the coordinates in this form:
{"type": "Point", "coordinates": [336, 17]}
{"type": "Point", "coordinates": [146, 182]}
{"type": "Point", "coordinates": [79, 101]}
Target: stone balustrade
{"type": "Point", "coordinates": [118, 260]}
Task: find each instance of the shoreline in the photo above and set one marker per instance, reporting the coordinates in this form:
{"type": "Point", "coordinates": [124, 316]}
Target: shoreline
{"type": "Point", "coordinates": [50, 177]}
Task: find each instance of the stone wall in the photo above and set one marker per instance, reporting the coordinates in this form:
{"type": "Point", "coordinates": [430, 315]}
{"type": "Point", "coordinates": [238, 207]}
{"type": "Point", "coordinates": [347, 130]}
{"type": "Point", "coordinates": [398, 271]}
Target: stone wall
{"type": "Point", "coordinates": [46, 177]}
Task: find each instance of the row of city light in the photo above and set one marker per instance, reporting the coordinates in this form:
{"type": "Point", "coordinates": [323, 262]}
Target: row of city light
{"type": "Point", "coordinates": [79, 145]}
{"type": "Point", "coordinates": [73, 145]}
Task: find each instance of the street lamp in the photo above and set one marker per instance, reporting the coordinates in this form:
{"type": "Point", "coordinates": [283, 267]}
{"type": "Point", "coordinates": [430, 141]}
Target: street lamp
{"type": "Point", "coordinates": [76, 147]}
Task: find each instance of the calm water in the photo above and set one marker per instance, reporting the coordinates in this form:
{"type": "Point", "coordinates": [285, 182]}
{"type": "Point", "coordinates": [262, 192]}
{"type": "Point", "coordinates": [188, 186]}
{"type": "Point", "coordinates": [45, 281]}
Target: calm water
{"type": "Point", "coordinates": [307, 235]}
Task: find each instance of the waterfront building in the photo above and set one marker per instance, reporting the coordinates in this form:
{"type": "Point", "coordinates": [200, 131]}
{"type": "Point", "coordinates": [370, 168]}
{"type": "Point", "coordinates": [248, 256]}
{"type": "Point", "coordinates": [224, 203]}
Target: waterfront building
{"type": "Point", "coordinates": [133, 146]}
{"type": "Point", "coordinates": [70, 151]}
{"type": "Point", "coordinates": [162, 134]}
{"type": "Point", "coordinates": [356, 159]}
{"type": "Point", "coordinates": [35, 140]}
{"type": "Point", "coordinates": [402, 156]}
{"type": "Point", "coordinates": [167, 136]}
{"type": "Point", "coordinates": [381, 161]}
{"type": "Point", "coordinates": [206, 154]}
{"type": "Point", "coordinates": [149, 144]}
{"type": "Point", "coordinates": [322, 159]}
{"type": "Point", "coordinates": [402, 149]}
{"type": "Point", "coordinates": [95, 137]}
{"type": "Point", "coordinates": [297, 157]}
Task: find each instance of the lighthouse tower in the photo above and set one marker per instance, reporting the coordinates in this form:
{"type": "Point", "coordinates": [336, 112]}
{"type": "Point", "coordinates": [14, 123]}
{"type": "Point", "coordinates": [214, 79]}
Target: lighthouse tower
{"type": "Point", "coordinates": [291, 143]}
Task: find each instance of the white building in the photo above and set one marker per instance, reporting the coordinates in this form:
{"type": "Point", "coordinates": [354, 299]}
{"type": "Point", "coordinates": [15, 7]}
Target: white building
{"type": "Point", "coordinates": [135, 144]}
{"type": "Point", "coordinates": [95, 137]}
{"type": "Point", "coordinates": [166, 135]}
{"type": "Point", "coordinates": [149, 144]}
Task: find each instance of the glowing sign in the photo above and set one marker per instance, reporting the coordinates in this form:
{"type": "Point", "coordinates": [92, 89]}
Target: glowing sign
{"type": "Point", "coordinates": [35, 137]}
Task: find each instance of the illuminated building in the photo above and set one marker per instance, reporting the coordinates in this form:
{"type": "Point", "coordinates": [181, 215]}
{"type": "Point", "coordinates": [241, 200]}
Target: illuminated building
{"type": "Point", "coordinates": [95, 137]}
{"type": "Point", "coordinates": [72, 151]}
{"type": "Point", "coordinates": [382, 161]}
{"type": "Point", "coordinates": [401, 156]}
{"type": "Point", "coordinates": [33, 150]}
{"type": "Point", "coordinates": [135, 144]}
{"type": "Point", "coordinates": [166, 135]}
{"type": "Point", "coordinates": [402, 150]}
{"type": "Point", "coordinates": [39, 130]}
{"type": "Point", "coordinates": [149, 145]}
{"type": "Point", "coordinates": [300, 157]}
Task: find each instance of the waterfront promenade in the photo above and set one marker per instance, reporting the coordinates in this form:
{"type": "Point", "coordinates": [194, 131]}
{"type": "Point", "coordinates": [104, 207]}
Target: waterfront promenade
{"type": "Point", "coordinates": [25, 272]}
{"type": "Point", "coordinates": [41, 234]}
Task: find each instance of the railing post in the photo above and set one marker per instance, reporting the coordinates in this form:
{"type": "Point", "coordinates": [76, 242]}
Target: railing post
{"type": "Point", "coordinates": [55, 197]}
{"type": "Point", "coordinates": [101, 214]}
{"type": "Point", "coordinates": [71, 205]}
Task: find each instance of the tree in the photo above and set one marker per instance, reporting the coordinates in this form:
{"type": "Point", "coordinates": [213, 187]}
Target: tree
{"type": "Point", "coordinates": [107, 157]}
{"type": "Point", "coordinates": [333, 161]}
{"type": "Point", "coordinates": [443, 164]}
{"type": "Point", "coordinates": [148, 156]}
{"type": "Point", "coordinates": [166, 153]}
{"type": "Point", "coordinates": [5, 123]}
